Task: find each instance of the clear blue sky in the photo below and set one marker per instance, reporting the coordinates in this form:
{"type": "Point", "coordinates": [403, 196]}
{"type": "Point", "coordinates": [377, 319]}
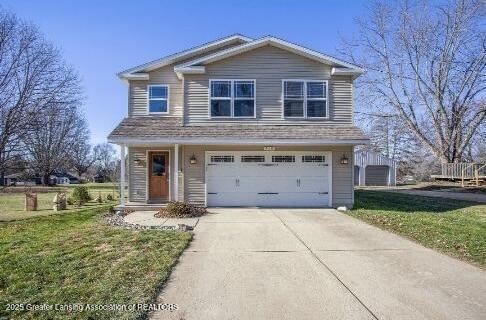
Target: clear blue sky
{"type": "Point", "coordinates": [100, 38]}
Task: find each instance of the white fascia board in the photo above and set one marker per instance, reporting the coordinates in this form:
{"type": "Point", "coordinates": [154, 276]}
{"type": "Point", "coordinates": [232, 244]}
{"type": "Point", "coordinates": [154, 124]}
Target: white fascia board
{"type": "Point", "coordinates": [152, 65]}
{"type": "Point", "coordinates": [311, 54]}
{"type": "Point", "coordinates": [265, 142]}
{"type": "Point", "coordinates": [346, 72]}
{"type": "Point", "coordinates": [137, 76]}
{"type": "Point", "coordinates": [189, 70]}
{"type": "Point", "coordinates": [193, 69]}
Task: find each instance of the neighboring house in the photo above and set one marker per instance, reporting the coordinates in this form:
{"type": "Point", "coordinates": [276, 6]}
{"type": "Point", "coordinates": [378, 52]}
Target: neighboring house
{"type": "Point", "coordinates": [99, 178]}
{"type": "Point", "coordinates": [374, 169]}
{"type": "Point", "coordinates": [240, 122]}
{"type": "Point", "coordinates": [19, 179]}
{"type": "Point", "coordinates": [63, 178]}
{"type": "Point", "coordinates": [10, 179]}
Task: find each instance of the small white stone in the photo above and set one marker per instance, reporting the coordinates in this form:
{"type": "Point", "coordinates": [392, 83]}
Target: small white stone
{"type": "Point", "coordinates": [342, 209]}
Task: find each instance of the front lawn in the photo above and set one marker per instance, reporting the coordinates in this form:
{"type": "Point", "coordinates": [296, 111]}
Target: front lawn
{"type": "Point", "coordinates": [12, 200]}
{"type": "Point", "coordinates": [73, 257]}
{"type": "Point", "coordinates": [457, 228]}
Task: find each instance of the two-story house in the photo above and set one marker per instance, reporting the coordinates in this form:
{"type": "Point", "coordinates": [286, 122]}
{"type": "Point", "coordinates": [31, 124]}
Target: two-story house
{"type": "Point", "coordinates": [240, 122]}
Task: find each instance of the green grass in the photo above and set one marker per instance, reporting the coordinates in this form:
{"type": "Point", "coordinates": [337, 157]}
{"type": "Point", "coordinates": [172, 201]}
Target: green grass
{"type": "Point", "coordinates": [75, 258]}
{"type": "Point", "coordinates": [12, 203]}
{"type": "Point", "coordinates": [457, 228]}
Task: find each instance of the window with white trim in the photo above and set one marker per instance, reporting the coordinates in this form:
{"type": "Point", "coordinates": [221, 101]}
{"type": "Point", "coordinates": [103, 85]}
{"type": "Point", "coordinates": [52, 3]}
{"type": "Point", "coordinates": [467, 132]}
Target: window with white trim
{"type": "Point", "coordinates": [225, 158]}
{"type": "Point", "coordinates": [158, 98]}
{"type": "Point", "coordinates": [232, 98]}
{"type": "Point", "coordinates": [305, 98]}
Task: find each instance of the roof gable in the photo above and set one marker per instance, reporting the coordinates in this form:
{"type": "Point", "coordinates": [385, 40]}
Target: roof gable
{"type": "Point", "coordinates": [339, 66]}
{"type": "Point", "coordinates": [139, 72]}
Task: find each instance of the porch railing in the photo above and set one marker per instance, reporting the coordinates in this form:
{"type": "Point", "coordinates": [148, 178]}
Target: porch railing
{"type": "Point", "coordinates": [474, 172]}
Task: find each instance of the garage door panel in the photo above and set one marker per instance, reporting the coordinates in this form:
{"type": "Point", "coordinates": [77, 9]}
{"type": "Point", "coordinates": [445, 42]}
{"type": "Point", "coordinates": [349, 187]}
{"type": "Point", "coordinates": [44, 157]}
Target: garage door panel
{"type": "Point", "coordinates": [221, 170]}
{"type": "Point", "coordinates": [310, 184]}
{"type": "Point", "coordinates": [283, 199]}
{"type": "Point", "coordinates": [267, 184]}
{"type": "Point", "coordinates": [275, 184]}
{"type": "Point", "coordinates": [224, 199]}
{"type": "Point", "coordinates": [214, 184]}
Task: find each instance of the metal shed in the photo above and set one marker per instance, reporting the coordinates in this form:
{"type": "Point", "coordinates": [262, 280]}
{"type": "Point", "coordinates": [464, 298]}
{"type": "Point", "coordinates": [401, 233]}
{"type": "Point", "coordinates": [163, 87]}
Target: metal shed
{"type": "Point", "coordinates": [374, 169]}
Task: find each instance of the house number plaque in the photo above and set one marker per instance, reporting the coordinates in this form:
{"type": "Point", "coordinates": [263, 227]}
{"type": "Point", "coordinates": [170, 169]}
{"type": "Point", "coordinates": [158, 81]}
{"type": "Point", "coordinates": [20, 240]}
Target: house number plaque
{"type": "Point", "coordinates": [268, 148]}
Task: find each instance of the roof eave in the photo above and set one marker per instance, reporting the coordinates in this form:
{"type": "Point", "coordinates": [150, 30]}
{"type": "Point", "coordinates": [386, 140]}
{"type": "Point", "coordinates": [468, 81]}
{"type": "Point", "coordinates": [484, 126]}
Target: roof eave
{"type": "Point", "coordinates": [234, 141]}
{"type": "Point", "coordinates": [311, 54]}
{"type": "Point", "coordinates": [134, 76]}
{"type": "Point", "coordinates": [354, 72]}
{"type": "Point", "coordinates": [180, 71]}
{"type": "Point", "coordinates": [173, 58]}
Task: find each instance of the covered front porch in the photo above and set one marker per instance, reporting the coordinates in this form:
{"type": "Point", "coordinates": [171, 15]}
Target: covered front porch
{"type": "Point", "coordinates": [150, 176]}
{"type": "Point", "coordinates": [257, 175]}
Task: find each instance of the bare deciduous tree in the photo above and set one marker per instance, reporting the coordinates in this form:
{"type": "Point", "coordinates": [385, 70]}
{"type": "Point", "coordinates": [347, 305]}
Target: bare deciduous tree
{"type": "Point", "coordinates": [81, 157]}
{"type": "Point", "coordinates": [33, 80]}
{"type": "Point", "coordinates": [426, 64]}
{"type": "Point", "coordinates": [51, 137]}
{"type": "Point", "coordinates": [106, 160]}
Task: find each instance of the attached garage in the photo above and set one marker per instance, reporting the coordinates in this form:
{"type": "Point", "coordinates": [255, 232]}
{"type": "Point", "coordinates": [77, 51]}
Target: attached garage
{"type": "Point", "coordinates": [268, 179]}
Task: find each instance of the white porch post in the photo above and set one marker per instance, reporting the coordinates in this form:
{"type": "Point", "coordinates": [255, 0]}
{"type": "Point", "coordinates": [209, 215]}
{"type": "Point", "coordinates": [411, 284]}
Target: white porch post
{"type": "Point", "coordinates": [122, 174]}
{"type": "Point", "coordinates": [176, 172]}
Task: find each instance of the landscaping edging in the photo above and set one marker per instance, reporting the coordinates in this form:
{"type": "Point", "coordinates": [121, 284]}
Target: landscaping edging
{"type": "Point", "coordinates": [119, 221]}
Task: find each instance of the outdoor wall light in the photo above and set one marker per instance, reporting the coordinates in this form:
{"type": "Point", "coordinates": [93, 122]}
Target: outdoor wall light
{"type": "Point", "coordinates": [138, 161]}
{"type": "Point", "coordinates": [193, 159]}
{"type": "Point", "coordinates": [344, 159]}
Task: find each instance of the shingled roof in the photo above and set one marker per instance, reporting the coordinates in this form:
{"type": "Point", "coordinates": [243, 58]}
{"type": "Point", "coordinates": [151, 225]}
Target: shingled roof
{"type": "Point", "coordinates": [152, 129]}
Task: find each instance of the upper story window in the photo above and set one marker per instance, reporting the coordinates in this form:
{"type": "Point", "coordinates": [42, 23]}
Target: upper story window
{"type": "Point", "coordinates": [158, 98]}
{"type": "Point", "coordinates": [305, 98]}
{"type": "Point", "coordinates": [232, 98]}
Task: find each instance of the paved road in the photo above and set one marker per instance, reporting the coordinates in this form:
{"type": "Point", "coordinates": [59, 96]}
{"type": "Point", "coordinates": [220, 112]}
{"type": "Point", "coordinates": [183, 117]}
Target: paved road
{"type": "Point", "coordinates": [315, 264]}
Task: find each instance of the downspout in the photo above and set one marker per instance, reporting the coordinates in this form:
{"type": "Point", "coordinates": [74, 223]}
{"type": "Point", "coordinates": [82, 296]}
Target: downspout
{"type": "Point", "coordinates": [183, 121]}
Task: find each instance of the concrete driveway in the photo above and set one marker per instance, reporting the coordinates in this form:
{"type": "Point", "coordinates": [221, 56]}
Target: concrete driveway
{"type": "Point", "coordinates": [315, 264]}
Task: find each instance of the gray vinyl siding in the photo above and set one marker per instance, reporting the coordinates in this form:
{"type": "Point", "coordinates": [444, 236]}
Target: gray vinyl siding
{"type": "Point", "coordinates": [268, 66]}
{"type": "Point", "coordinates": [138, 92]}
{"type": "Point", "coordinates": [194, 174]}
{"type": "Point", "coordinates": [342, 103]}
{"type": "Point", "coordinates": [137, 102]}
{"type": "Point", "coordinates": [342, 177]}
{"type": "Point", "coordinates": [137, 173]}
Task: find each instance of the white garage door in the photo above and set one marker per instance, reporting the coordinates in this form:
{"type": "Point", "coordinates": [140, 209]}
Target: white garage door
{"type": "Point", "coordinates": [272, 179]}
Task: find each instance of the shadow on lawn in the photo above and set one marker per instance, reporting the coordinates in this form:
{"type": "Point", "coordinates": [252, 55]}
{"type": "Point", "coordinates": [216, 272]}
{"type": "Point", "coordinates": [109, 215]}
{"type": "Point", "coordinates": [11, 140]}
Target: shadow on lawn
{"type": "Point", "coordinates": [392, 201]}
